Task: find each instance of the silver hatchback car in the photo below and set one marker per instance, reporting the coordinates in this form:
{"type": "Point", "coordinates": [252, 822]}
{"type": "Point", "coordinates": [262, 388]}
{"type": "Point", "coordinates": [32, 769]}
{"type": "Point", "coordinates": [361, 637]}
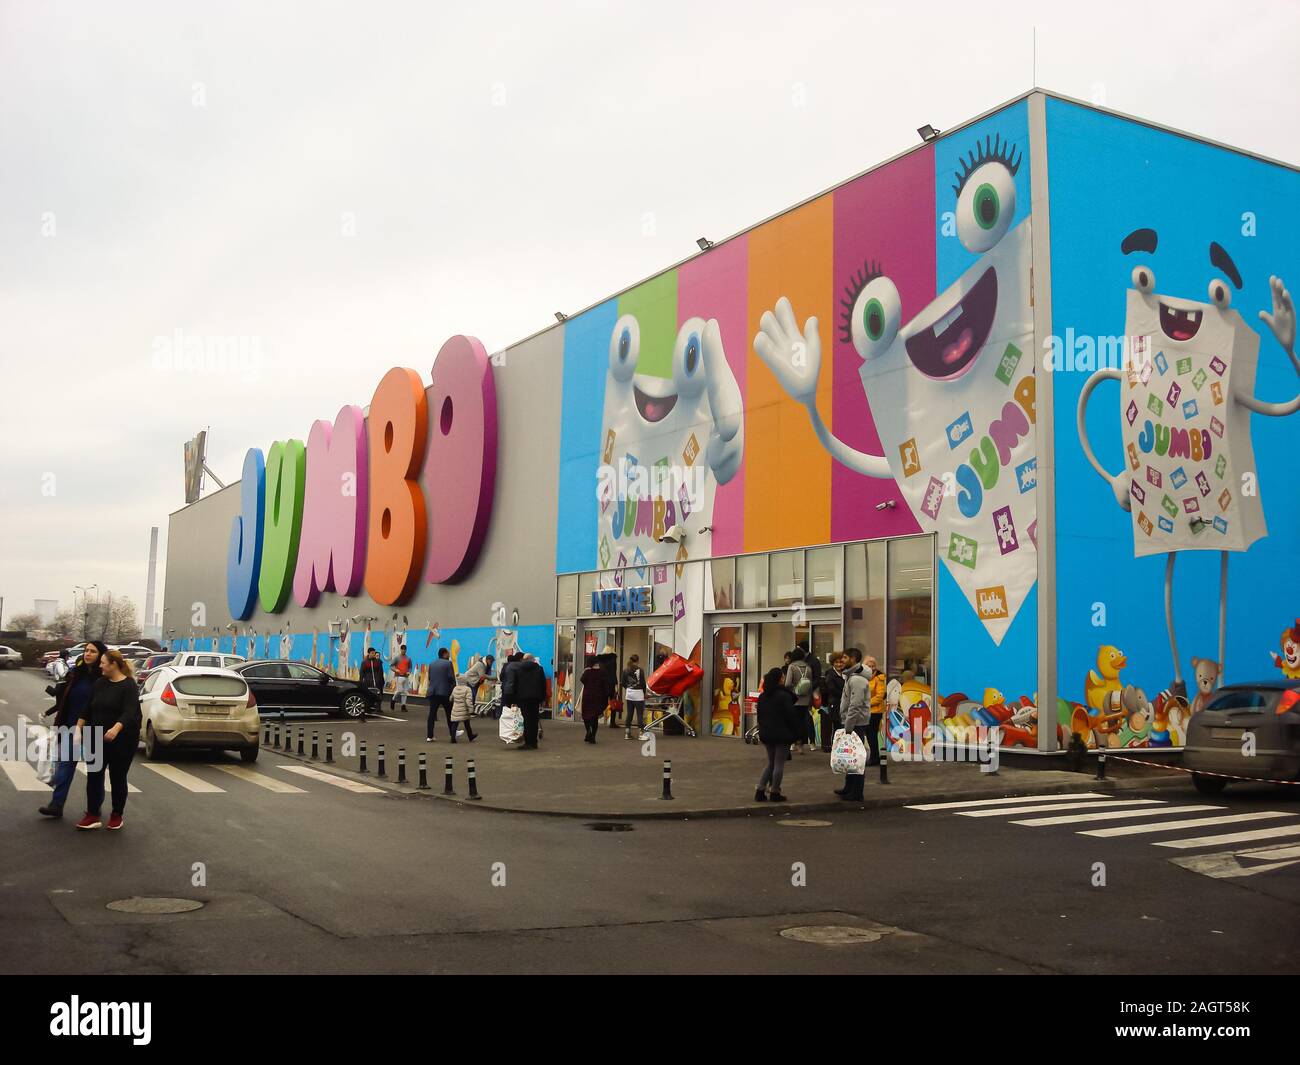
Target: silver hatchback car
{"type": "Point", "coordinates": [1247, 732]}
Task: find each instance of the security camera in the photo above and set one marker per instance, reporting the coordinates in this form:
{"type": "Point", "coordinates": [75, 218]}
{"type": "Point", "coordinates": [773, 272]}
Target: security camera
{"type": "Point", "coordinates": [675, 534]}
{"type": "Point", "coordinates": [887, 504]}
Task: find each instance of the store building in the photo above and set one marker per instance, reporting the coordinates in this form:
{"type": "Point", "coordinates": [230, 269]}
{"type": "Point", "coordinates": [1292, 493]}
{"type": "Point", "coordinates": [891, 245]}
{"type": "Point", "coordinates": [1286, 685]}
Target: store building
{"type": "Point", "coordinates": [855, 424]}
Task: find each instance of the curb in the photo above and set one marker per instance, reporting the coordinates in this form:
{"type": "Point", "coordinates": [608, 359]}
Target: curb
{"type": "Point", "coordinates": [749, 810]}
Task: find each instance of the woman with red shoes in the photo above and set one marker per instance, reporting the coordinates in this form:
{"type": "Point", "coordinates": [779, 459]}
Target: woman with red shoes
{"type": "Point", "coordinates": [114, 712]}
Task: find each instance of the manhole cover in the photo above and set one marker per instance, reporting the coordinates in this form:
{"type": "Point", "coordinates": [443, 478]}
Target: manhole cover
{"type": "Point", "coordinates": [797, 823]}
{"type": "Point", "coordinates": [154, 905]}
{"type": "Point", "coordinates": [831, 935]}
{"type": "Point", "coordinates": [609, 826]}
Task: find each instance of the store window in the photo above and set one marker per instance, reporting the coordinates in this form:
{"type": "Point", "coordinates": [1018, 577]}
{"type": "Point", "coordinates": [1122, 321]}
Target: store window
{"type": "Point", "coordinates": [728, 691]}
{"type": "Point", "coordinates": [563, 687]}
{"type": "Point", "coordinates": [785, 584]}
{"type": "Point", "coordinates": [823, 580]}
{"type": "Point", "coordinates": [911, 602]}
{"type": "Point", "coordinates": [566, 597]}
{"type": "Point", "coordinates": [864, 597]}
{"type": "Point", "coordinates": [722, 574]}
{"type": "Point", "coordinates": [751, 581]}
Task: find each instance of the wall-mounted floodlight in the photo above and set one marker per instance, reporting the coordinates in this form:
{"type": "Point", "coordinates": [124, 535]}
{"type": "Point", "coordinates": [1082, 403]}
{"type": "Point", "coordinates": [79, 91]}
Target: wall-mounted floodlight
{"type": "Point", "coordinates": [704, 243]}
{"type": "Point", "coordinates": [560, 316]}
{"type": "Point", "coordinates": [928, 132]}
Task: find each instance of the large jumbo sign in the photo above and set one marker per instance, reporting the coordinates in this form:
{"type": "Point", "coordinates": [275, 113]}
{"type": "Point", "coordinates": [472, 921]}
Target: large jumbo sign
{"type": "Point", "coordinates": [349, 509]}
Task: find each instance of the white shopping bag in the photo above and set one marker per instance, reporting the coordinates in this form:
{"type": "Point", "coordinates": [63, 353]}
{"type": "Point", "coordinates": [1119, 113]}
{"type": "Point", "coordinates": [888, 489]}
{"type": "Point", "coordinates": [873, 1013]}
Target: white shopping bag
{"type": "Point", "coordinates": [848, 754]}
{"type": "Point", "coordinates": [41, 744]}
{"type": "Point", "coordinates": [511, 725]}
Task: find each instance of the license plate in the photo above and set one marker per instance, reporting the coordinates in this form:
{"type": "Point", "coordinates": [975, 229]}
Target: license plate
{"type": "Point", "coordinates": [215, 710]}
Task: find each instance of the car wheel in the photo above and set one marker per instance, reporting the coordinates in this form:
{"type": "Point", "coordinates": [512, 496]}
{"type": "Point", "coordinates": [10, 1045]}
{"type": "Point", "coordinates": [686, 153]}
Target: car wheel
{"type": "Point", "coordinates": [1209, 785]}
{"type": "Point", "coordinates": [248, 754]}
{"type": "Point", "coordinates": [354, 705]}
{"type": "Point", "coordinates": [152, 748]}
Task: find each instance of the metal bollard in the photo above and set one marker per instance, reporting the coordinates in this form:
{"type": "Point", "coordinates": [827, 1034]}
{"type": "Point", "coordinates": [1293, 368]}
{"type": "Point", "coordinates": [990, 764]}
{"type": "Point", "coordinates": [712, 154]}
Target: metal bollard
{"type": "Point", "coordinates": [884, 767]}
{"type": "Point", "coordinates": [473, 781]}
{"type": "Point", "coordinates": [300, 732]}
{"type": "Point", "coordinates": [284, 728]}
{"type": "Point", "coordinates": [448, 787]}
{"type": "Point", "coordinates": [266, 734]}
{"type": "Point", "coordinates": [379, 755]}
{"type": "Point", "coordinates": [275, 733]}
{"type": "Point", "coordinates": [668, 779]}
{"type": "Point", "coordinates": [401, 765]}
{"type": "Point", "coordinates": [424, 771]}
{"type": "Point", "coordinates": [362, 768]}
{"type": "Point", "coordinates": [329, 746]}
{"type": "Point", "coordinates": [315, 745]}
{"type": "Point", "coordinates": [1101, 765]}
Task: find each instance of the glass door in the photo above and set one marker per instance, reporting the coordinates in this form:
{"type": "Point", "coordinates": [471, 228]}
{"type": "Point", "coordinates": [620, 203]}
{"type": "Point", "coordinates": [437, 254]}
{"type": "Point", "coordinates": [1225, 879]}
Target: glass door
{"type": "Point", "coordinates": [728, 675]}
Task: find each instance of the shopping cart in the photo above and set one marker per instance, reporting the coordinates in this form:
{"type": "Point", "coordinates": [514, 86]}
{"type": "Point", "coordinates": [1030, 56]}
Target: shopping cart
{"type": "Point", "coordinates": [667, 706]}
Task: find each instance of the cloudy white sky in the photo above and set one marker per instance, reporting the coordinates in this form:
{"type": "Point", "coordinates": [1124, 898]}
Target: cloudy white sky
{"type": "Point", "coordinates": [197, 167]}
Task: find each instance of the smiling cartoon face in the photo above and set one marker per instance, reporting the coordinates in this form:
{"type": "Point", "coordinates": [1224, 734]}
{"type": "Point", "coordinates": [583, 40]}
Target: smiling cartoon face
{"type": "Point", "coordinates": [952, 393]}
{"type": "Point", "coordinates": [1185, 438]}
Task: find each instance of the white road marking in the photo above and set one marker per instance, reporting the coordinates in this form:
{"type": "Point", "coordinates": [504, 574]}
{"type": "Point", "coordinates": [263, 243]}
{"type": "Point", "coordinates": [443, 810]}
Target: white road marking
{"type": "Point", "coordinates": [1232, 837]}
{"type": "Point", "coordinates": [131, 789]}
{"type": "Point", "coordinates": [1059, 806]}
{"type": "Point", "coordinates": [329, 778]}
{"type": "Point", "coordinates": [188, 781]}
{"type": "Point", "coordinates": [23, 776]}
{"type": "Point", "coordinates": [1226, 864]}
{"type": "Point", "coordinates": [1113, 815]}
{"type": "Point", "coordinates": [1173, 826]}
{"type": "Point", "coordinates": [1008, 802]}
{"type": "Point", "coordinates": [260, 779]}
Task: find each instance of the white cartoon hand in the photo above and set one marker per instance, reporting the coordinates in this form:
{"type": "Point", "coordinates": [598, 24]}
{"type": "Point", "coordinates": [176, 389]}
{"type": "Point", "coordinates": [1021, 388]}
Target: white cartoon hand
{"type": "Point", "coordinates": [1120, 486]}
{"type": "Point", "coordinates": [1282, 320]}
{"type": "Point", "coordinates": [795, 360]}
{"type": "Point", "coordinates": [726, 445]}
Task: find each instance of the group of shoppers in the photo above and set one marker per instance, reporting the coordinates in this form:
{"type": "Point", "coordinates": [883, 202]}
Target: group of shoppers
{"type": "Point", "coordinates": [97, 705]}
{"type": "Point", "coordinates": [852, 696]}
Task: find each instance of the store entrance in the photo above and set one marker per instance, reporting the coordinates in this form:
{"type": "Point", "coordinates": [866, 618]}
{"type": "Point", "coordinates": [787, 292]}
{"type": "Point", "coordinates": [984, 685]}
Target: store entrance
{"type": "Point", "coordinates": [612, 647]}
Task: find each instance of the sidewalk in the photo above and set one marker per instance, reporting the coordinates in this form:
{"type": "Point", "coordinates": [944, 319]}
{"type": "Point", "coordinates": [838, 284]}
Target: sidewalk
{"type": "Point", "coordinates": [712, 777]}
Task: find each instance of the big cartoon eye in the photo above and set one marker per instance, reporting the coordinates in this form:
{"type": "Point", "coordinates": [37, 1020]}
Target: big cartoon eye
{"type": "Point", "coordinates": [876, 314]}
{"type": "Point", "coordinates": [1220, 294]}
{"type": "Point", "coordinates": [688, 359]}
{"type": "Point", "coordinates": [986, 206]}
{"type": "Point", "coordinates": [1144, 279]}
{"type": "Point", "coordinates": [624, 348]}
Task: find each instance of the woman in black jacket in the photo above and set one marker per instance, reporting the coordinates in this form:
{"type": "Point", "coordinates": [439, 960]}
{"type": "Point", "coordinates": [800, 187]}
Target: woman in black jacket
{"type": "Point", "coordinates": [115, 712]}
{"type": "Point", "coordinates": [779, 725]}
{"type": "Point", "coordinates": [71, 703]}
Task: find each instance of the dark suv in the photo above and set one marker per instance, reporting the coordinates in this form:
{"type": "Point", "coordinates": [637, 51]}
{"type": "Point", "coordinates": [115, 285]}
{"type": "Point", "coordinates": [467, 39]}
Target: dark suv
{"type": "Point", "coordinates": [296, 687]}
{"type": "Point", "coordinates": [1217, 744]}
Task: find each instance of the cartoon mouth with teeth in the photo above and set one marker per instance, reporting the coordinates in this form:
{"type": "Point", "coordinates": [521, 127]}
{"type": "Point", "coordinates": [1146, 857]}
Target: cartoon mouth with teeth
{"type": "Point", "coordinates": [651, 407]}
{"type": "Point", "coordinates": [1179, 323]}
{"type": "Point", "coordinates": [947, 349]}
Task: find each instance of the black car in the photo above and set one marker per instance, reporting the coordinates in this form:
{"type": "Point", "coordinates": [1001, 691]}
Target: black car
{"type": "Point", "coordinates": [1218, 750]}
{"type": "Point", "coordinates": [296, 687]}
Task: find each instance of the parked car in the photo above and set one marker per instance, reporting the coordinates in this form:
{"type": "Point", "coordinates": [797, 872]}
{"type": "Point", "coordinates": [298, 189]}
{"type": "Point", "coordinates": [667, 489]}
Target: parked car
{"type": "Point", "coordinates": [9, 658]}
{"type": "Point", "coordinates": [145, 666]}
{"type": "Point", "coordinates": [198, 706]}
{"type": "Point", "coordinates": [212, 659]}
{"type": "Point", "coordinates": [1270, 711]}
{"type": "Point", "coordinates": [298, 687]}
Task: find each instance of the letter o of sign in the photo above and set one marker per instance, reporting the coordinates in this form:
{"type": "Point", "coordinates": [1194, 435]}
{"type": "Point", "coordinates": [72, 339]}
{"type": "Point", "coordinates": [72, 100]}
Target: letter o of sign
{"type": "Point", "coordinates": [461, 468]}
{"type": "Point", "coordinates": [244, 554]}
{"type": "Point", "coordinates": [397, 430]}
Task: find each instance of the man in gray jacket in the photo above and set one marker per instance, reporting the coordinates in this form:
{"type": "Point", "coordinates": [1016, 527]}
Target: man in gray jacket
{"type": "Point", "coordinates": [442, 678]}
{"type": "Point", "coordinates": [855, 713]}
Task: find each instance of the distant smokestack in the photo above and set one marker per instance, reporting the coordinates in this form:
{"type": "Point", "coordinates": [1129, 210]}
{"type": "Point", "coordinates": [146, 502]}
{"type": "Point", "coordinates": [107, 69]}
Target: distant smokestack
{"type": "Point", "coordinates": [153, 578]}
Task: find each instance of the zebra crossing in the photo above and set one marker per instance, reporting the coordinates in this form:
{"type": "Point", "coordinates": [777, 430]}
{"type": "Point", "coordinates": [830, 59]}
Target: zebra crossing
{"type": "Point", "coordinates": [1181, 827]}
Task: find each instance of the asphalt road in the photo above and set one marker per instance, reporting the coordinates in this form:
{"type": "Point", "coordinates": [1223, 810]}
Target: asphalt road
{"type": "Point", "coordinates": [312, 877]}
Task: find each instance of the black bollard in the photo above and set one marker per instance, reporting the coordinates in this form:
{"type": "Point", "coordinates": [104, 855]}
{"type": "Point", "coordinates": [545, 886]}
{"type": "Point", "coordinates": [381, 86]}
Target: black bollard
{"type": "Point", "coordinates": [1101, 765]}
{"type": "Point", "coordinates": [300, 732]}
{"type": "Point", "coordinates": [275, 732]}
{"type": "Point", "coordinates": [285, 729]}
{"type": "Point", "coordinates": [401, 765]}
{"type": "Point", "coordinates": [266, 734]}
{"type": "Point", "coordinates": [315, 745]}
{"type": "Point", "coordinates": [362, 768]}
{"type": "Point", "coordinates": [424, 771]}
{"type": "Point", "coordinates": [884, 767]}
{"type": "Point", "coordinates": [447, 786]}
{"type": "Point", "coordinates": [329, 746]}
{"type": "Point", "coordinates": [473, 782]}
{"type": "Point", "coordinates": [668, 779]}
{"type": "Point", "coordinates": [379, 771]}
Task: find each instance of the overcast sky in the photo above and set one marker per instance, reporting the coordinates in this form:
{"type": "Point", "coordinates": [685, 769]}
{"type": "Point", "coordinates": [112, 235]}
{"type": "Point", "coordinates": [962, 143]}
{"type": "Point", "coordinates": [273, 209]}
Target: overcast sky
{"type": "Point", "coordinates": [347, 184]}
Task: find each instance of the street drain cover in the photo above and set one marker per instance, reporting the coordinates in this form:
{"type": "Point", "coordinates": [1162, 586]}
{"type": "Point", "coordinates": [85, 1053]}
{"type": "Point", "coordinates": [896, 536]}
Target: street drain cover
{"type": "Point", "coordinates": [137, 904]}
{"type": "Point", "coordinates": [831, 935]}
{"type": "Point", "coordinates": [609, 826]}
{"type": "Point", "coordinates": [798, 823]}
